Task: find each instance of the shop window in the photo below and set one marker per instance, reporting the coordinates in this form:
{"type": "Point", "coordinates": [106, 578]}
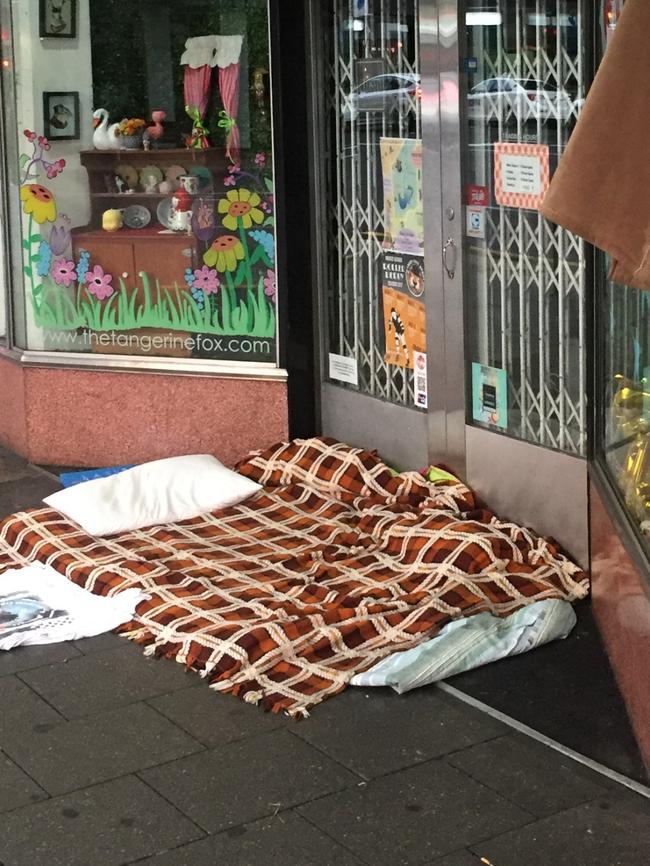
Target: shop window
{"type": "Point", "coordinates": [152, 233]}
{"type": "Point", "coordinates": [526, 279]}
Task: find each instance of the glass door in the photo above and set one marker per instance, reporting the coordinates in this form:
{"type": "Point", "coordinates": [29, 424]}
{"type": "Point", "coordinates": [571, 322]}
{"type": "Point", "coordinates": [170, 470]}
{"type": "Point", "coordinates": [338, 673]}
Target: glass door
{"type": "Point", "coordinates": [525, 278]}
{"type": "Point", "coordinates": [525, 67]}
{"type": "Point", "coordinates": [372, 270]}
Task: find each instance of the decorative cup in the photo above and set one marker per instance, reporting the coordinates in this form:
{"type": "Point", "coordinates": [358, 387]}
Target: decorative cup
{"type": "Point", "coordinates": [190, 183]}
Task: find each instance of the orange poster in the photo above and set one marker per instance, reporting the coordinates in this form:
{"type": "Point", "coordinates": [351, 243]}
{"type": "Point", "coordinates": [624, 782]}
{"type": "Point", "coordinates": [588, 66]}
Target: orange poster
{"type": "Point", "coordinates": [405, 327]}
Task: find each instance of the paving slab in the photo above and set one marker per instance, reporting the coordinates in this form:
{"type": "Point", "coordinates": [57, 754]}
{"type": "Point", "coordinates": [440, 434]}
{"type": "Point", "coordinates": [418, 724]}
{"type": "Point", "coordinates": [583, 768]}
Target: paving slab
{"type": "Point", "coordinates": [22, 708]}
{"type": "Point", "coordinates": [27, 492]}
{"type": "Point", "coordinates": [25, 658]}
{"type": "Point", "coordinates": [285, 840]}
{"type": "Point", "coordinates": [611, 831]}
{"type": "Point", "coordinates": [99, 643]}
{"type": "Point", "coordinates": [535, 777]}
{"type": "Point", "coordinates": [460, 858]}
{"type": "Point", "coordinates": [16, 788]}
{"type": "Point", "coordinates": [414, 816]}
{"type": "Point", "coordinates": [67, 756]}
{"type": "Point", "coordinates": [13, 467]}
{"type": "Point", "coordinates": [376, 731]}
{"type": "Point", "coordinates": [246, 780]}
{"type": "Point", "coordinates": [106, 825]}
{"type": "Point", "coordinates": [214, 718]}
{"type": "Point", "coordinates": [89, 684]}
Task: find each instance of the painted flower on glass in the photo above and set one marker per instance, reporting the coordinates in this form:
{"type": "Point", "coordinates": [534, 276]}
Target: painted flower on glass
{"type": "Point", "coordinates": [260, 159]}
{"type": "Point", "coordinates": [240, 207]}
{"type": "Point", "coordinates": [99, 283]}
{"type": "Point", "coordinates": [204, 223]}
{"type": "Point", "coordinates": [270, 285]}
{"type": "Point", "coordinates": [224, 253]}
{"type": "Point", "coordinates": [60, 235]}
{"type": "Point", "coordinates": [229, 181]}
{"type": "Point", "coordinates": [207, 280]}
{"type": "Point", "coordinates": [266, 240]}
{"type": "Point", "coordinates": [38, 202]}
{"type": "Point", "coordinates": [82, 265]}
{"type": "Point", "coordinates": [63, 272]}
{"type": "Point", "coordinates": [52, 169]}
{"type": "Point", "coordinates": [44, 259]}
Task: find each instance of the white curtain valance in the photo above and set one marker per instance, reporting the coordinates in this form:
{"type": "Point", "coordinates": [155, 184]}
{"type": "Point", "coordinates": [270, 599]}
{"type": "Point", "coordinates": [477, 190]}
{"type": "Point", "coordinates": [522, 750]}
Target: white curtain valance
{"type": "Point", "coordinates": [212, 51]}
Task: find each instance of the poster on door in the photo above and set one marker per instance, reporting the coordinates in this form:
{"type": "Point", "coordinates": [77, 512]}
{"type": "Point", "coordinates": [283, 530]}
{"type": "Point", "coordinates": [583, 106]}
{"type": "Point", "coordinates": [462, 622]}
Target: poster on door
{"type": "Point", "coordinates": [521, 174]}
{"type": "Point", "coordinates": [404, 328]}
{"type": "Point", "coordinates": [404, 312]}
{"type": "Point", "coordinates": [401, 160]}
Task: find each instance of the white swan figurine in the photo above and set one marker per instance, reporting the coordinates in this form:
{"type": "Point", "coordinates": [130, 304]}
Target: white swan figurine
{"type": "Point", "coordinates": [105, 136]}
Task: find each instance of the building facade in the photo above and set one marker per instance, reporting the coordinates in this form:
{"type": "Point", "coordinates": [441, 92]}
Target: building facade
{"type": "Point", "coordinates": [307, 217]}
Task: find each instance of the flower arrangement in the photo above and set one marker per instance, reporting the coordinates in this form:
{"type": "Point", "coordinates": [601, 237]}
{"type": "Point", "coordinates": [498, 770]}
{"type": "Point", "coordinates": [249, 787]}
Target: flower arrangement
{"type": "Point", "coordinates": [131, 127]}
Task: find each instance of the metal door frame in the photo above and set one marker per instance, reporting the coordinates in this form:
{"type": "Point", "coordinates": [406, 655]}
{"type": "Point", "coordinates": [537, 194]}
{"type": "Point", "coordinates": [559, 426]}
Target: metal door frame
{"type": "Point", "coordinates": [404, 435]}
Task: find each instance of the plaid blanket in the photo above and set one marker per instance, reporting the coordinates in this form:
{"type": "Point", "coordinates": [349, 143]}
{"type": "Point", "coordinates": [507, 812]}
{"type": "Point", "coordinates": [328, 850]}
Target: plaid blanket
{"type": "Point", "coordinates": [332, 566]}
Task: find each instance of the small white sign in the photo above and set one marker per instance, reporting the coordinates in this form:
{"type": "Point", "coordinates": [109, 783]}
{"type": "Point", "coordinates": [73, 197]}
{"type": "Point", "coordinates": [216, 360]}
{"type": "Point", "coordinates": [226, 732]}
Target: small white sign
{"type": "Point", "coordinates": [344, 369]}
{"type": "Point", "coordinates": [476, 222]}
{"type": "Point", "coordinates": [420, 379]}
{"type": "Point", "coordinates": [521, 174]}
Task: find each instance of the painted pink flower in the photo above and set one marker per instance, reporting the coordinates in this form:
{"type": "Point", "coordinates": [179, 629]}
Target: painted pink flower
{"type": "Point", "coordinates": [233, 168]}
{"type": "Point", "coordinates": [60, 235]}
{"type": "Point", "coordinates": [63, 272]}
{"type": "Point", "coordinates": [52, 169]}
{"type": "Point", "coordinates": [260, 159]}
{"type": "Point", "coordinates": [270, 285]}
{"type": "Point", "coordinates": [206, 279]}
{"type": "Point", "coordinates": [44, 143]}
{"type": "Point", "coordinates": [230, 180]}
{"type": "Point", "coordinates": [99, 283]}
{"type": "Point", "coordinates": [29, 135]}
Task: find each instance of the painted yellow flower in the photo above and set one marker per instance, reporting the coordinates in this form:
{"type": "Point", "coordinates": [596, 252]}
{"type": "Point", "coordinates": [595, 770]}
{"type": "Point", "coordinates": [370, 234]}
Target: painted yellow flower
{"type": "Point", "coordinates": [38, 202]}
{"type": "Point", "coordinates": [241, 204]}
{"type": "Point", "coordinates": [224, 253]}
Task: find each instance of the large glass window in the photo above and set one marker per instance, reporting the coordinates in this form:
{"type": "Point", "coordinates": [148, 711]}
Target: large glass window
{"type": "Point", "coordinates": [145, 176]}
{"type": "Point", "coordinates": [375, 280]}
{"type": "Point", "coordinates": [624, 382]}
{"type": "Point", "coordinates": [525, 279]}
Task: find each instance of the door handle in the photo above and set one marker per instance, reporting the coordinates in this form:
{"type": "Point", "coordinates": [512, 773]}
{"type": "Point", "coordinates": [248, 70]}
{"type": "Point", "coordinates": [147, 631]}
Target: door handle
{"type": "Point", "coordinates": [450, 268]}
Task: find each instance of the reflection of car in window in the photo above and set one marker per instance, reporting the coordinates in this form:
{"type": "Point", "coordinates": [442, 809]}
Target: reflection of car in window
{"type": "Point", "coordinates": [527, 99]}
{"type": "Point", "coordinates": [382, 92]}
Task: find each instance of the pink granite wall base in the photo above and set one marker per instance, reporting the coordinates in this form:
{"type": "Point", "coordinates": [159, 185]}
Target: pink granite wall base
{"type": "Point", "coordinates": [95, 418]}
{"type": "Point", "coordinates": [622, 609]}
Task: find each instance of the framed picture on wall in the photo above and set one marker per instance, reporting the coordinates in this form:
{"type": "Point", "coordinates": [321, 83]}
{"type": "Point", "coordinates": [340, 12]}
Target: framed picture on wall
{"type": "Point", "coordinates": [58, 19]}
{"type": "Point", "coordinates": [61, 116]}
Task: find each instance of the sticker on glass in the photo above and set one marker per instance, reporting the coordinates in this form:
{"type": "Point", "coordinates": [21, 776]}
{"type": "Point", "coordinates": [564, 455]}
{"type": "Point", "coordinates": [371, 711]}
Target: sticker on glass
{"type": "Point", "coordinates": [490, 395]}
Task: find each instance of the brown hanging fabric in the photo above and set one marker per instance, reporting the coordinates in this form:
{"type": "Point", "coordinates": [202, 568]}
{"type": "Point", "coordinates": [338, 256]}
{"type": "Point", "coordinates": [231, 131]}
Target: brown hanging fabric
{"type": "Point", "coordinates": [601, 189]}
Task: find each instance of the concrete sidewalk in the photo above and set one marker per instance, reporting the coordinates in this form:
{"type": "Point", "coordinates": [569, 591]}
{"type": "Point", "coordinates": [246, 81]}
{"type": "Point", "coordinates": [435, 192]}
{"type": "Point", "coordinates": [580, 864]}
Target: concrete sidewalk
{"type": "Point", "coordinates": [109, 758]}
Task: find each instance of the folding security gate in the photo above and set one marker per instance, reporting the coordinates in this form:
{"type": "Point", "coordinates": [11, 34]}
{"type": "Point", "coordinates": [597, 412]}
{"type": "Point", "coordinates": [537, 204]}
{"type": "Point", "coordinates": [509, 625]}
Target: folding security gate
{"type": "Point", "coordinates": [481, 86]}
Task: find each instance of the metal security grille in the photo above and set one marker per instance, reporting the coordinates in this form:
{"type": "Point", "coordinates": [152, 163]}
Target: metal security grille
{"type": "Point", "coordinates": [525, 282]}
{"type": "Point", "coordinates": [374, 51]}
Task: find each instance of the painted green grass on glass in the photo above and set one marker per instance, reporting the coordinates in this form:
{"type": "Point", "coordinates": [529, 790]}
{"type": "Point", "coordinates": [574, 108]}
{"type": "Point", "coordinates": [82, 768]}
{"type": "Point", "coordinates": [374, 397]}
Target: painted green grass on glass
{"type": "Point", "coordinates": [241, 312]}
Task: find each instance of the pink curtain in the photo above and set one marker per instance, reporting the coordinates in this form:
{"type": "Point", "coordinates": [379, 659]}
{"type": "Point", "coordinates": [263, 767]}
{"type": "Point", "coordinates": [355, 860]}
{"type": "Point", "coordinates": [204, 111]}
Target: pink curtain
{"type": "Point", "coordinates": [197, 87]}
{"type": "Point", "coordinates": [229, 88]}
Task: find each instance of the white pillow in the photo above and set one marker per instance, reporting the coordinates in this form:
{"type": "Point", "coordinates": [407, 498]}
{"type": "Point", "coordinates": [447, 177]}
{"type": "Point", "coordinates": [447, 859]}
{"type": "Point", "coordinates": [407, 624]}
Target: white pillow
{"type": "Point", "coordinates": [164, 491]}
